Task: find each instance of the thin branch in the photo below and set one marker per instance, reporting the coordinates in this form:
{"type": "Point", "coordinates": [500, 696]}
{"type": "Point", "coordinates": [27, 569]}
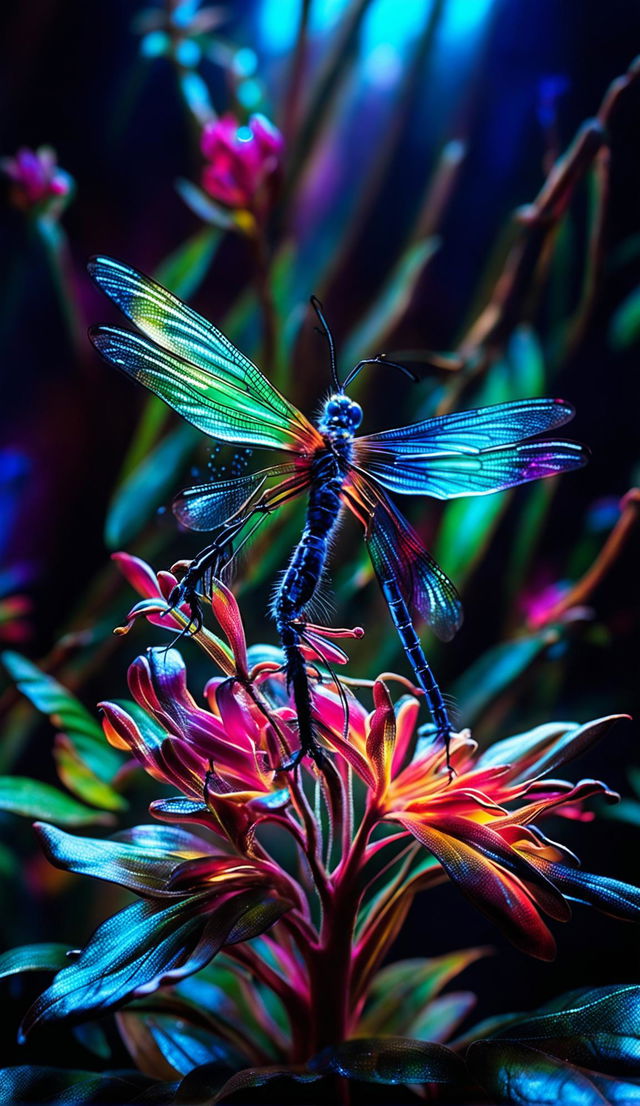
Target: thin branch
{"type": "Point", "coordinates": [581, 592]}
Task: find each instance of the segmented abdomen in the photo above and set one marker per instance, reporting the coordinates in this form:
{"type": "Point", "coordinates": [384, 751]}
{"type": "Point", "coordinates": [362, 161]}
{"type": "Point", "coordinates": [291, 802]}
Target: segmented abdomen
{"type": "Point", "coordinates": [305, 568]}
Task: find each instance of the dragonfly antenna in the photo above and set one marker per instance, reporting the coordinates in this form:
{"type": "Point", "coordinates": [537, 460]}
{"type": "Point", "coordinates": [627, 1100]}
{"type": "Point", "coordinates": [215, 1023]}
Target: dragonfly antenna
{"type": "Point", "coordinates": [319, 310]}
{"type": "Point", "coordinates": [379, 360]}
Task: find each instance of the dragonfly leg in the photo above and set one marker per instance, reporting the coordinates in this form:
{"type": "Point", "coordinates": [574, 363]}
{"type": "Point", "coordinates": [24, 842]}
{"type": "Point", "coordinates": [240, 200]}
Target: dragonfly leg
{"type": "Point", "coordinates": [298, 682]}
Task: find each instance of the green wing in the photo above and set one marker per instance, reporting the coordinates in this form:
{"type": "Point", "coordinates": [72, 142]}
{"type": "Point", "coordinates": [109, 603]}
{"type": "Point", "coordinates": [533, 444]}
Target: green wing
{"type": "Point", "coordinates": [192, 366]}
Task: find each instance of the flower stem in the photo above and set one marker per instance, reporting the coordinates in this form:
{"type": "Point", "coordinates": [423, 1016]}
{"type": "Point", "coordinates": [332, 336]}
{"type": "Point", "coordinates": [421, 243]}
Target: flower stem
{"type": "Point", "coordinates": [265, 299]}
{"type": "Point", "coordinates": [330, 965]}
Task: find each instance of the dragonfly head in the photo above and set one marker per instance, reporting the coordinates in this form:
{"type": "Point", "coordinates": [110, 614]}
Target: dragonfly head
{"type": "Point", "coordinates": [340, 414]}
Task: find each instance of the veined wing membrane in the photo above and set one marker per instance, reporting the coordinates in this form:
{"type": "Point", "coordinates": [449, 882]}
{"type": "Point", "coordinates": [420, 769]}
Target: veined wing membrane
{"type": "Point", "coordinates": [449, 475]}
{"type": "Point", "coordinates": [205, 507]}
{"type": "Point", "coordinates": [397, 551]}
{"type": "Point", "coordinates": [470, 431]}
{"type": "Point", "coordinates": [212, 404]}
{"type": "Point", "coordinates": [180, 330]}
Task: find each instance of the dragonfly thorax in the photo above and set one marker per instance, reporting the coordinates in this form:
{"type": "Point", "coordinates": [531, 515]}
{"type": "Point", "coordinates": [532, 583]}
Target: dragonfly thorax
{"type": "Point", "coordinates": [341, 417]}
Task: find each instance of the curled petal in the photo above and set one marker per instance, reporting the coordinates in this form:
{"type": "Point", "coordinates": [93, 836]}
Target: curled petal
{"type": "Point", "coordinates": [381, 737]}
{"type": "Point", "coordinates": [494, 880]}
{"type": "Point", "coordinates": [138, 574]}
{"type": "Point", "coordinates": [226, 611]}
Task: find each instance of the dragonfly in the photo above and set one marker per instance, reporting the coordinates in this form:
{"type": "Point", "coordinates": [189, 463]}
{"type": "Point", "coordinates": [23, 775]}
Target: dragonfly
{"type": "Point", "coordinates": [185, 361]}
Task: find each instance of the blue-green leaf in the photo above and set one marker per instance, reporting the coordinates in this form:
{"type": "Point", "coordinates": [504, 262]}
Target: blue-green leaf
{"type": "Point", "coordinates": [625, 324]}
{"type": "Point", "coordinates": [33, 799]}
{"type": "Point", "coordinates": [386, 311]}
{"type": "Point", "coordinates": [495, 671]}
{"type": "Point", "coordinates": [148, 945]}
{"type": "Point", "coordinates": [148, 487]}
{"type": "Point", "coordinates": [204, 206]}
{"type": "Point", "coordinates": [86, 763]}
{"type": "Point", "coordinates": [165, 1046]}
{"type": "Point", "coordinates": [185, 269]}
{"type": "Point", "coordinates": [33, 958]}
{"type": "Point", "coordinates": [210, 1084]}
{"type": "Point", "coordinates": [402, 992]}
{"type": "Point", "coordinates": [525, 1076]}
{"type": "Point", "coordinates": [465, 531]}
{"type": "Point", "coordinates": [389, 1060]}
{"type": "Point", "coordinates": [145, 870]}
{"type": "Point", "coordinates": [69, 1087]}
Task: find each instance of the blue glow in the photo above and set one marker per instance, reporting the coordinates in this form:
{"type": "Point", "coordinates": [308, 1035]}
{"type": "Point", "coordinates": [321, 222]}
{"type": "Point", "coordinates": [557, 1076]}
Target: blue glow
{"type": "Point", "coordinates": [245, 62]}
{"type": "Point", "coordinates": [188, 53]}
{"type": "Point", "coordinates": [155, 44]}
{"type": "Point", "coordinates": [391, 24]}
{"type": "Point", "coordinates": [278, 21]}
{"type": "Point", "coordinates": [185, 13]}
{"type": "Point", "coordinates": [465, 17]}
{"type": "Point", "coordinates": [249, 94]}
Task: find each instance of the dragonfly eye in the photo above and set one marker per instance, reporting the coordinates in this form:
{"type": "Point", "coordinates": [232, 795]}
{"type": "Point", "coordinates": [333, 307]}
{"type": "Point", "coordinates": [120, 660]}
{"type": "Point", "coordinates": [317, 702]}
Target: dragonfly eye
{"type": "Point", "coordinates": [355, 414]}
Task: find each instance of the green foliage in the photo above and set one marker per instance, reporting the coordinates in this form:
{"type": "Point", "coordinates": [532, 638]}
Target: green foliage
{"type": "Point", "coordinates": [34, 799]}
{"type": "Point", "coordinates": [86, 764]}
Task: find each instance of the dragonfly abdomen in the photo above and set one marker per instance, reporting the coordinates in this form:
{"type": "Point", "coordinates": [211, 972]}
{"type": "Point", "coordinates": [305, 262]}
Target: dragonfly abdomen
{"type": "Point", "coordinates": [411, 643]}
{"type": "Point", "coordinates": [305, 568]}
{"type": "Point", "coordinates": [300, 582]}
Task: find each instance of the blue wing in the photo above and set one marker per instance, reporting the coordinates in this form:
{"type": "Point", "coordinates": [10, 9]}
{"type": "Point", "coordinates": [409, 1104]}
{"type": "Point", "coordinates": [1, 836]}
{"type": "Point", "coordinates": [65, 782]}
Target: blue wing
{"type": "Point", "coordinates": [205, 507]}
{"type": "Point", "coordinates": [472, 453]}
{"type": "Point", "coordinates": [398, 553]}
{"type": "Point", "coordinates": [483, 428]}
{"type": "Point", "coordinates": [192, 366]}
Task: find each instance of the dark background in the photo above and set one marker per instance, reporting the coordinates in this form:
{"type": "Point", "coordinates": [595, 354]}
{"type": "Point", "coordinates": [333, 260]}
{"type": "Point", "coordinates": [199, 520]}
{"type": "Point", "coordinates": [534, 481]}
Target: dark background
{"type": "Point", "coordinates": [72, 77]}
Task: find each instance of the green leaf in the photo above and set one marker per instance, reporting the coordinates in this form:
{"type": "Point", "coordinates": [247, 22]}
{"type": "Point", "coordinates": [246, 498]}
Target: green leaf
{"type": "Point", "coordinates": [85, 762]}
{"type": "Point", "coordinates": [204, 206]}
{"type": "Point", "coordinates": [401, 993]}
{"type": "Point", "coordinates": [50, 697]}
{"type": "Point", "coordinates": [33, 799]}
{"type": "Point", "coordinates": [71, 1087]}
{"type": "Point", "coordinates": [76, 774]}
{"type": "Point", "coordinates": [495, 671]}
{"type": "Point", "coordinates": [628, 810]}
{"type": "Point", "coordinates": [526, 360]}
{"type": "Point", "coordinates": [389, 1060]}
{"type": "Point", "coordinates": [388, 308]}
{"type": "Point", "coordinates": [625, 324]}
{"type": "Point", "coordinates": [209, 1084]}
{"type": "Point", "coordinates": [185, 269]}
{"type": "Point", "coordinates": [33, 958]}
{"type": "Point", "coordinates": [442, 1017]}
{"type": "Point", "coordinates": [467, 526]}
{"type": "Point", "coordinates": [148, 487]}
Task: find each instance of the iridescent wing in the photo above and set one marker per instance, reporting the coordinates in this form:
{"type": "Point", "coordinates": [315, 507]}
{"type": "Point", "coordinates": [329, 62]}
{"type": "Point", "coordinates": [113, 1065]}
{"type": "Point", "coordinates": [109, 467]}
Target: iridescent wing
{"type": "Point", "coordinates": [206, 507]}
{"type": "Point", "coordinates": [190, 365]}
{"type": "Point", "coordinates": [471, 453]}
{"type": "Point", "coordinates": [397, 551]}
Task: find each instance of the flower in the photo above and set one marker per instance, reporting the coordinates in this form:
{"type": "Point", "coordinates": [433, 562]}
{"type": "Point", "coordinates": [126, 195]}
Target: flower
{"type": "Point", "coordinates": [242, 162]}
{"type": "Point", "coordinates": [37, 181]}
{"type": "Point", "coordinates": [311, 922]}
{"type": "Point", "coordinates": [480, 824]}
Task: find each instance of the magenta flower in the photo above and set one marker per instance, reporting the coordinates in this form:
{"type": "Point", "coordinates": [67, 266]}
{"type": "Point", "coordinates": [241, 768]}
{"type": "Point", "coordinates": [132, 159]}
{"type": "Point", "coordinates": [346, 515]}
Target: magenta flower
{"type": "Point", "coordinates": [37, 181]}
{"type": "Point", "coordinates": [243, 162]}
